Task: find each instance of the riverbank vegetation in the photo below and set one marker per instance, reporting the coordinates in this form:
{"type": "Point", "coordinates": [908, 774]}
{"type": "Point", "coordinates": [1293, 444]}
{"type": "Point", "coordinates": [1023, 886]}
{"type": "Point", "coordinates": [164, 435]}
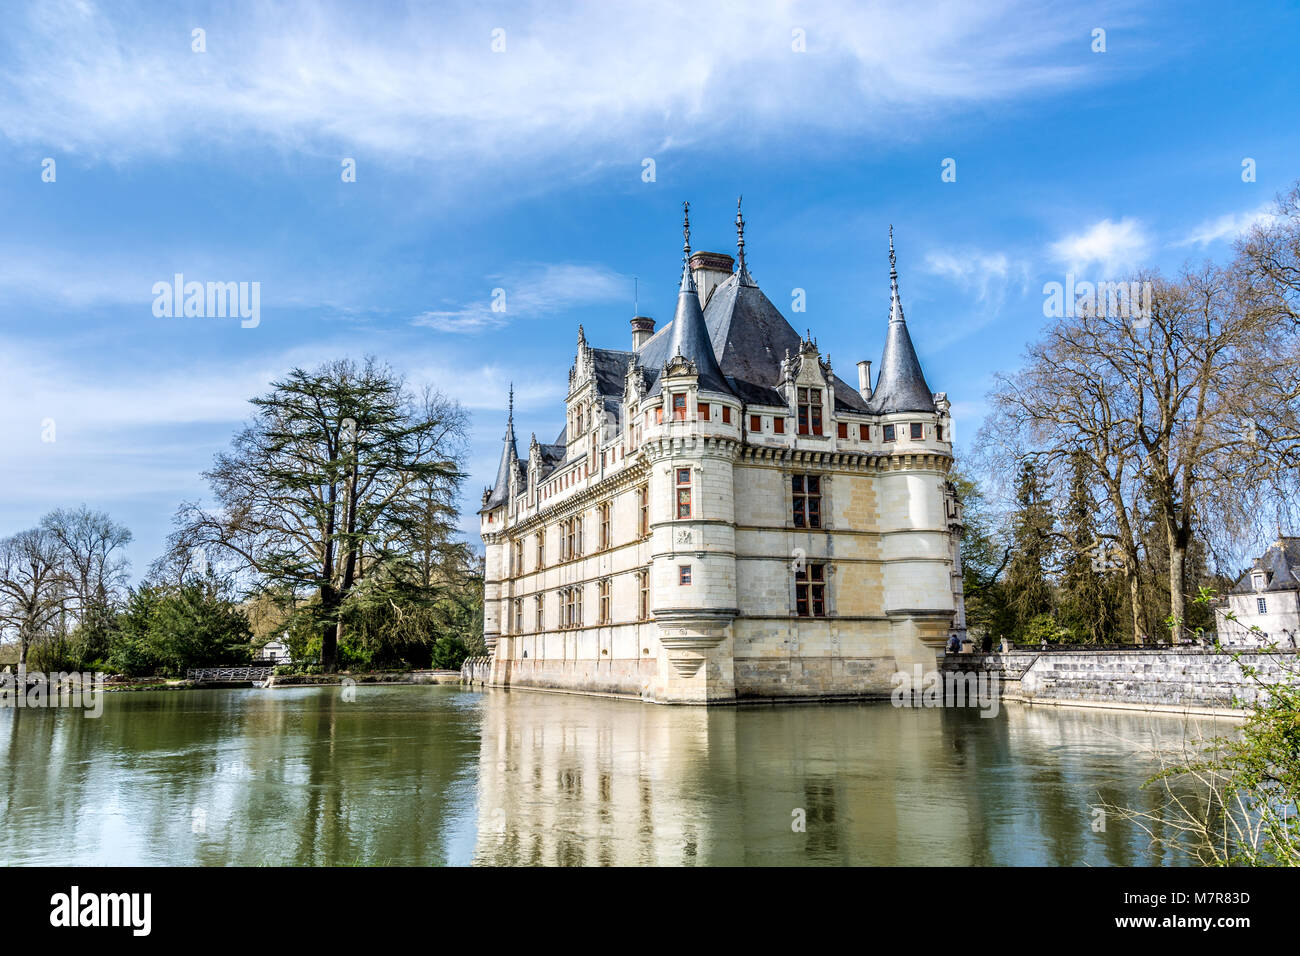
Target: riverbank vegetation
{"type": "Point", "coordinates": [1135, 458]}
{"type": "Point", "coordinates": [1233, 800]}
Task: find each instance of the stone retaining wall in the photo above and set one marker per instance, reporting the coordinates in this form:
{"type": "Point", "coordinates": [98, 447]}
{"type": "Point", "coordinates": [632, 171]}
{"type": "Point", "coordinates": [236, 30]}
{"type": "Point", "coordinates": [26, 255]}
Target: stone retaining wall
{"type": "Point", "coordinates": [1181, 679]}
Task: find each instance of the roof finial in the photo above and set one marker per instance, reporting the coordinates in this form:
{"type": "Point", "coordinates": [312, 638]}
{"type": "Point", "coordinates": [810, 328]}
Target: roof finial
{"type": "Point", "coordinates": [510, 416]}
{"type": "Point", "coordinates": [740, 236]}
{"type": "Point", "coordinates": [686, 233]}
{"type": "Point", "coordinates": [895, 304]}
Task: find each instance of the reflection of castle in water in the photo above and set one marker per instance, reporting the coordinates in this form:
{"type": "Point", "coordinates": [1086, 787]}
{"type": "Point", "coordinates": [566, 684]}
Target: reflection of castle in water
{"type": "Point", "coordinates": [572, 781]}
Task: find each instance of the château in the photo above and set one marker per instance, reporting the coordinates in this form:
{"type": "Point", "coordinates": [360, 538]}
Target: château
{"type": "Point", "coordinates": [722, 517]}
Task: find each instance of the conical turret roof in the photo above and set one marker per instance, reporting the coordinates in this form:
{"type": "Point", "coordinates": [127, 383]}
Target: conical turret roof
{"type": "Point", "coordinates": [509, 462]}
{"type": "Point", "coordinates": [689, 335]}
{"type": "Point", "coordinates": [900, 386]}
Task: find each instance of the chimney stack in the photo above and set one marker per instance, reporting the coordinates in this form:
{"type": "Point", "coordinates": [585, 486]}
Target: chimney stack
{"type": "Point", "coordinates": [642, 328]}
{"type": "Point", "coordinates": [710, 270]}
{"type": "Point", "coordinates": [864, 379]}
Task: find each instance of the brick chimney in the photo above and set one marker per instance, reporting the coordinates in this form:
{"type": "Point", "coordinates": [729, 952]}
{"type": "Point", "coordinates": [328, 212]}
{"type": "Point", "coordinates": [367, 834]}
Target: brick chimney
{"type": "Point", "coordinates": [642, 328]}
{"type": "Point", "coordinates": [710, 270]}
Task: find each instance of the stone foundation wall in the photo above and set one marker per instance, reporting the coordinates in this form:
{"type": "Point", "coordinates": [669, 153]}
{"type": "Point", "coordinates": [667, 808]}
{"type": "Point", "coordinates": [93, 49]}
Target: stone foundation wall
{"type": "Point", "coordinates": [1168, 679]}
{"type": "Point", "coordinates": [626, 677]}
{"type": "Point", "coordinates": [775, 677]}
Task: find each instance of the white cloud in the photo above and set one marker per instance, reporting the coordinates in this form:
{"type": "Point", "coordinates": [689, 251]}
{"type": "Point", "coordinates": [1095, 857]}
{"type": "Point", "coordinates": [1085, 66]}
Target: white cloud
{"type": "Point", "coordinates": [534, 291]}
{"type": "Point", "coordinates": [1228, 226]}
{"type": "Point", "coordinates": [603, 83]}
{"type": "Point", "coordinates": [987, 275]}
{"type": "Point", "coordinates": [1112, 247]}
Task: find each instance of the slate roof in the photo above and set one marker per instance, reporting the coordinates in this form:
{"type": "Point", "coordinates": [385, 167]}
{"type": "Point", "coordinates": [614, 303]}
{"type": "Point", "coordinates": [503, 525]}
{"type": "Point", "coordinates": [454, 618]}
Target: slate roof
{"type": "Point", "coordinates": [509, 461]}
{"type": "Point", "coordinates": [738, 342]}
{"type": "Point", "coordinates": [750, 338]}
{"type": "Point", "coordinates": [1281, 567]}
{"type": "Point", "coordinates": [688, 335]}
{"type": "Point", "coordinates": [900, 386]}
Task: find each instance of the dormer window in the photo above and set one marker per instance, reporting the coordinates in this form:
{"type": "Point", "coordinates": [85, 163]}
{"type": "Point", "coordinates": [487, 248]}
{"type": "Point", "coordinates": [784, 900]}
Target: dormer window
{"type": "Point", "coordinates": [679, 408]}
{"type": "Point", "coordinates": [1257, 580]}
{"type": "Point", "coordinates": [810, 411]}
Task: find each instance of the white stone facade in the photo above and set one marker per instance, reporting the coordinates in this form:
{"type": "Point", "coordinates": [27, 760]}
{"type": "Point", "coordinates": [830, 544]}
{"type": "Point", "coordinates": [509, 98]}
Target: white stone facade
{"type": "Point", "coordinates": [690, 578]}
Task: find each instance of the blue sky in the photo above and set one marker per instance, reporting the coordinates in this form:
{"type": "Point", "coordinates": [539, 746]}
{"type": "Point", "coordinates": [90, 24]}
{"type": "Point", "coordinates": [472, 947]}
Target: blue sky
{"type": "Point", "coordinates": [522, 169]}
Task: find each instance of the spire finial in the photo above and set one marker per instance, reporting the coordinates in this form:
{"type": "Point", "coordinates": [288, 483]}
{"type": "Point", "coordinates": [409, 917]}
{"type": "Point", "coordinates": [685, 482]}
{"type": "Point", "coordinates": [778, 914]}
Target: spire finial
{"type": "Point", "coordinates": [895, 303]}
{"type": "Point", "coordinates": [740, 235]}
{"type": "Point", "coordinates": [686, 233]}
{"type": "Point", "coordinates": [510, 416]}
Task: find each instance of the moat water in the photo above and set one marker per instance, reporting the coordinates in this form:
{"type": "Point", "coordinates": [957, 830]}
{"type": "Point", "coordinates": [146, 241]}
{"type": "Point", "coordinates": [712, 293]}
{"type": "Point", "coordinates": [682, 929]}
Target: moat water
{"type": "Point", "coordinates": [443, 775]}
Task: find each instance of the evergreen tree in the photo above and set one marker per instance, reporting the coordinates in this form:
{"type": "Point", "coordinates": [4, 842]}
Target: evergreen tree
{"type": "Point", "coordinates": [1028, 588]}
{"type": "Point", "coordinates": [1089, 601]}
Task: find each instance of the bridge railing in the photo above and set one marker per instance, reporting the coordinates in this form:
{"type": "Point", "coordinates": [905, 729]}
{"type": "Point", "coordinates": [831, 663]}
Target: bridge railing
{"type": "Point", "coordinates": [229, 673]}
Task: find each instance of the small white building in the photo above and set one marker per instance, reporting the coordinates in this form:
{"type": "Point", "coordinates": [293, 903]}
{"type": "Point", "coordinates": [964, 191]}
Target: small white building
{"type": "Point", "coordinates": [274, 652]}
{"type": "Point", "coordinates": [1265, 602]}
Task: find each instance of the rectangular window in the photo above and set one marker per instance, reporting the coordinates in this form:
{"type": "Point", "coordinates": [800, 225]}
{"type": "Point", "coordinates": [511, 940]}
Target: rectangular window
{"type": "Point", "coordinates": [659, 415]}
{"type": "Point", "coordinates": [577, 536]}
{"type": "Point", "coordinates": [810, 411]}
{"type": "Point", "coordinates": [755, 424]}
{"type": "Point", "coordinates": [679, 408]}
{"type": "Point", "coordinates": [683, 492]}
{"type": "Point", "coordinates": [541, 549]}
{"type": "Point", "coordinates": [643, 589]}
{"type": "Point", "coordinates": [606, 528]}
{"type": "Point", "coordinates": [540, 602]}
{"type": "Point", "coordinates": [643, 502]}
{"type": "Point", "coordinates": [864, 433]}
{"type": "Point", "coordinates": [602, 589]}
{"type": "Point", "coordinates": [842, 429]}
{"type": "Point", "coordinates": [1262, 605]}
{"type": "Point", "coordinates": [917, 432]}
{"type": "Point", "coordinates": [810, 591]}
{"type": "Point", "coordinates": [807, 493]}
{"type": "Point", "coordinates": [519, 556]}
{"type": "Point", "coordinates": [702, 411]}
{"type": "Point", "coordinates": [684, 574]}
{"type": "Point", "coordinates": [726, 414]}
{"type": "Point", "coordinates": [778, 425]}
{"type": "Point", "coordinates": [889, 433]}
{"type": "Point", "coordinates": [518, 623]}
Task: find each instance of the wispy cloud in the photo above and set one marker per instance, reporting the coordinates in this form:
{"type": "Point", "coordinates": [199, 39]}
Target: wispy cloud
{"type": "Point", "coordinates": [531, 293]}
{"type": "Point", "coordinates": [596, 81]}
{"type": "Point", "coordinates": [1111, 247]}
{"type": "Point", "coordinates": [1228, 226]}
{"type": "Point", "coordinates": [985, 274]}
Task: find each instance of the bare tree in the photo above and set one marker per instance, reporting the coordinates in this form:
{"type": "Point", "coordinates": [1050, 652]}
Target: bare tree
{"type": "Point", "coordinates": [34, 586]}
{"type": "Point", "coordinates": [92, 546]}
{"type": "Point", "coordinates": [1191, 404]}
{"type": "Point", "coordinates": [1071, 399]}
